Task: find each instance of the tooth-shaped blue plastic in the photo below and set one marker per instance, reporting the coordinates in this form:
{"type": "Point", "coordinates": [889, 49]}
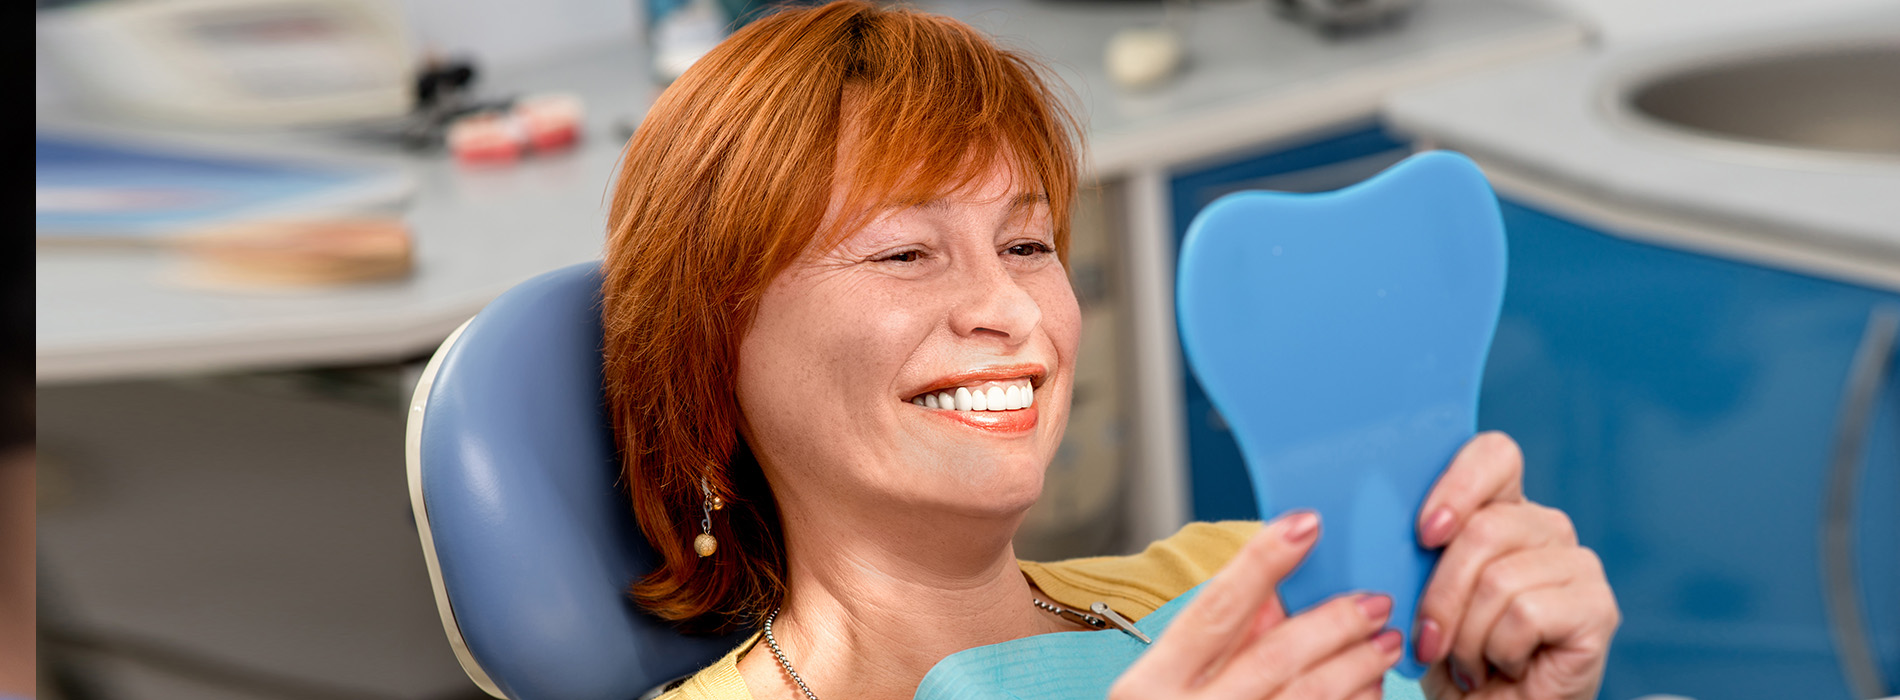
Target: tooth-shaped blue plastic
{"type": "Point", "coordinates": [1342, 336]}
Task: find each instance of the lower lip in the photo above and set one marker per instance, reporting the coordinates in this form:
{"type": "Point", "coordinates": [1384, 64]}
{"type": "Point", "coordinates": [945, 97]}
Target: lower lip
{"type": "Point", "coordinates": [1021, 420]}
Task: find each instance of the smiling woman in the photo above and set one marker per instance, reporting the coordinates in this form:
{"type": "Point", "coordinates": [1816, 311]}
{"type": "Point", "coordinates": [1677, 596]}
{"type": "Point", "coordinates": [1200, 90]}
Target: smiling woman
{"type": "Point", "coordinates": [839, 351]}
{"type": "Point", "coordinates": [729, 180]}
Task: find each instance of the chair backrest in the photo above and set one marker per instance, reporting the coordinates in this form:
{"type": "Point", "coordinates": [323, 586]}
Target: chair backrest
{"type": "Point", "coordinates": [1342, 336]}
{"type": "Point", "coordinates": [528, 533]}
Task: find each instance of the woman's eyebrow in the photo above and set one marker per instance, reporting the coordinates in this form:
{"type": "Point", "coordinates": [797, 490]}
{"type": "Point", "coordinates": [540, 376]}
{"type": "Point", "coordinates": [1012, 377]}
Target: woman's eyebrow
{"type": "Point", "coordinates": [1021, 200]}
{"type": "Point", "coordinates": [1030, 199]}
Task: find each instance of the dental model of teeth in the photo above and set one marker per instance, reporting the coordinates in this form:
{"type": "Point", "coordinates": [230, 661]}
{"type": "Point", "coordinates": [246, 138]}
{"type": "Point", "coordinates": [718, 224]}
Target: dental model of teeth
{"type": "Point", "coordinates": [995, 399]}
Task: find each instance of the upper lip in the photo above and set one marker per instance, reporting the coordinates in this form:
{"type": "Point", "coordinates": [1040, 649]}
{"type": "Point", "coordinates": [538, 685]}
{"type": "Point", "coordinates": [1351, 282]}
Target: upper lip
{"type": "Point", "coordinates": [1033, 372]}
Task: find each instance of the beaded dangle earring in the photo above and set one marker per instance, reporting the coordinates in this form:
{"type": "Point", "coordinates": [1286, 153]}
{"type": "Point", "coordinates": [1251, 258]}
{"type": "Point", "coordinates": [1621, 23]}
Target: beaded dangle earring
{"type": "Point", "coordinates": [705, 544]}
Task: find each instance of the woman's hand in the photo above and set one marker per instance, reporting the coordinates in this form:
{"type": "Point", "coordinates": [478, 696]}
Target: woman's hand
{"type": "Point", "coordinates": [1516, 608]}
{"type": "Point", "coordinates": [1236, 641]}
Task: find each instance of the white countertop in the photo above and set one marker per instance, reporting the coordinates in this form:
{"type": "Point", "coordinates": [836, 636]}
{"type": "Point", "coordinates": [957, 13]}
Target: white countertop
{"type": "Point", "coordinates": [1252, 79]}
{"type": "Point", "coordinates": [1554, 124]}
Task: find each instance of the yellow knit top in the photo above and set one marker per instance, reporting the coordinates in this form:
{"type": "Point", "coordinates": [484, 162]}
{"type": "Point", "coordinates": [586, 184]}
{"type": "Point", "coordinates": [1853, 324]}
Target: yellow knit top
{"type": "Point", "coordinates": [1133, 585]}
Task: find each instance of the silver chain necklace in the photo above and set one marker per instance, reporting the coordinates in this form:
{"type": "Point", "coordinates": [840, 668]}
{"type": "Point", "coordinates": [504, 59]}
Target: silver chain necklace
{"type": "Point", "coordinates": [1112, 619]}
{"type": "Point", "coordinates": [782, 661]}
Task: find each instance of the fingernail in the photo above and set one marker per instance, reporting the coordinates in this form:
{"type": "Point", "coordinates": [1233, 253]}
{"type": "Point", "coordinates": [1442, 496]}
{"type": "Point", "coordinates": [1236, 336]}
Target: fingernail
{"type": "Point", "coordinates": [1376, 607]}
{"type": "Point", "coordinates": [1437, 528]}
{"type": "Point", "coordinates": [1429, 637]}
{"type": "Point", "coordinates": [1461, 678]}
{"type": "Point", "coordinates": [1387, 641]}
{"type": "Point", "coordinates": [1301, 526]}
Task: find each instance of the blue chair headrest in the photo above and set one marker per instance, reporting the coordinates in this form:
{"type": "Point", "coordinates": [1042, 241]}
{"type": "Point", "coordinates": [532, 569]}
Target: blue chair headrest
{"type": "Point", "coordinates": [529, 534]}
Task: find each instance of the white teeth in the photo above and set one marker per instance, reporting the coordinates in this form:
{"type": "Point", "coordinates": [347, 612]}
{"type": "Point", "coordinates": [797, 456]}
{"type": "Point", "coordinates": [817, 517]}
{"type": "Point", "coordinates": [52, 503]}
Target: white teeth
{"type": "Point", "coordinates": [995, 398]}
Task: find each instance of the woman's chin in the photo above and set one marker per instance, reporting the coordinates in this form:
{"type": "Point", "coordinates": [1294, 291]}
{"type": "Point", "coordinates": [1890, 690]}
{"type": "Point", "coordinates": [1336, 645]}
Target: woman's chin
{"type": "Point", "coordinates": [1000, 494]}
{"type": "Point", "coordinates": [980, 485]}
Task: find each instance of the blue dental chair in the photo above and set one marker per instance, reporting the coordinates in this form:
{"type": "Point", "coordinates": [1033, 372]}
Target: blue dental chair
{"type": "Point", "coordinates": [529, 536]}
{"type": "Point", "coordinates": [531, 543]}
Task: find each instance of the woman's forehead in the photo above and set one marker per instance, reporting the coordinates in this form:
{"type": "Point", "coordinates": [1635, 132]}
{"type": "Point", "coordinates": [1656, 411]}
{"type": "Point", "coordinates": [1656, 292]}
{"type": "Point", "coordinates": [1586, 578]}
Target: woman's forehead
{"type": "Point", "coordinates": [1003, 199]}
{"type": "Point", "coordinates": [982, 175]}
{"type": "Point", "coordinates": [859, 198]}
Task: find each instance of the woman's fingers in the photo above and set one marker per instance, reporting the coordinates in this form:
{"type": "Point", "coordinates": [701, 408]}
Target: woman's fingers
{"type": "Point", "coordinates": [1494, 532]}
{"type": "Point", "coordinates": [1374, 690]}
{"type": "Point", "coordinates": [1553, 641]}
{"type": "Point", "coordinates": [1513, 592]}
{"type": "Point", "coordinates": [1225, 610]}
{"type": "Point", "coordinates": [1489, 468]}
{"type": "Point", "coordinates": [1364, 664]}
{"type": "Point", "coordinates": [1503, 584]}
{"type": "Point", "coordinates": [1329, 651]}
{"type": "Point", "coordinates": [1437, 684]}
{"type": "Point", "coordinates": [1265, 619]}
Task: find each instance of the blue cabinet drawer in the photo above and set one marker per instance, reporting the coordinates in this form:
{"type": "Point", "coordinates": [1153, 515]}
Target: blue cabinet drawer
{"type": "Point", "coordinates": [1683, 409]}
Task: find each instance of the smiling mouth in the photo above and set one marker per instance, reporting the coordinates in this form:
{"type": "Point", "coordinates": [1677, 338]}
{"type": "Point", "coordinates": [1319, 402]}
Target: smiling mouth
{"type": "Point", "coordinates": [985, 396]}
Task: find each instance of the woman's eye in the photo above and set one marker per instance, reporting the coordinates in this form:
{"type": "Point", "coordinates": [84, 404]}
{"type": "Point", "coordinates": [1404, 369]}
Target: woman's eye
{"type": "Point", "coordinates": [1028, 249]}
{"type": "Point", "coordinates": [903, 256]}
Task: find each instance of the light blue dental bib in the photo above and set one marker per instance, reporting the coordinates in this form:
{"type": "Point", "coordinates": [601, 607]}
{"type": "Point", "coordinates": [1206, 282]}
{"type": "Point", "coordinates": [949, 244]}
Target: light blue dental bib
{"type": "Point", "coordinates": [1068, 665]}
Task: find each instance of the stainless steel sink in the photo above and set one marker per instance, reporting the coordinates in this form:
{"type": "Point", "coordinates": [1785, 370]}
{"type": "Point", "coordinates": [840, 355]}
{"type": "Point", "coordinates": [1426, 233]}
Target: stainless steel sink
{"type": "Point", "coordinates": [1837, 100]}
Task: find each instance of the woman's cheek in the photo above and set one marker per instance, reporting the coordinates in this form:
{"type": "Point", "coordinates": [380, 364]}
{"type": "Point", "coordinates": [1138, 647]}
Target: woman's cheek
{"type": "Point", "coordinates": [873, 327]}
{"type": "Point", "coordinates": [1061, 313]}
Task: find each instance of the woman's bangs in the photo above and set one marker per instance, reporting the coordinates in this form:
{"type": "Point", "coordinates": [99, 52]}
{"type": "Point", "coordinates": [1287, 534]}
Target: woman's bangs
{"type": "Point", "coordinates": [916, 148]}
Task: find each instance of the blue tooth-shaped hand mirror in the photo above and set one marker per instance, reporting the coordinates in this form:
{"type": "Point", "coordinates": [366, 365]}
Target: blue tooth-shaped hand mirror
{"type": "Point", "coordinates": [1342, 336]}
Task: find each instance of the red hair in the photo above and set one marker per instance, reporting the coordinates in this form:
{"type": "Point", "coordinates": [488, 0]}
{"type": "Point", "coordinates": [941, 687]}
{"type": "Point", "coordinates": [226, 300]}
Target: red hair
{"type": "Point", "coordinates": [724, 184]}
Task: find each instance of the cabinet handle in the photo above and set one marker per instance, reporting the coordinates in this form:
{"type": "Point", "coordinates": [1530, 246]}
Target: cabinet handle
{"type": "Point", "coordinates": [1839, 585]}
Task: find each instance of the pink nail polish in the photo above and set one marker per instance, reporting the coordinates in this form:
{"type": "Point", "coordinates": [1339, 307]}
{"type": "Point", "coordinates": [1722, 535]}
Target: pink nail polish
{"type": "Point", "coordinates": [1430, 637]}
{"type": "Point", "coordinates": [1301, 526]}
{"type": "Point", "coordinates": [1375, 607]}
{"type": "Point", "coordinates": [1437, 528]}
{"type": "Point", "coordinates": [1387, 641]}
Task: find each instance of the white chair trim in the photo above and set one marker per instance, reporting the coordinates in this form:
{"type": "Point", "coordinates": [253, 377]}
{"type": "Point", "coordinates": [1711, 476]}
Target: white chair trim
{"type": "Point", "coordinates": [418, 405]}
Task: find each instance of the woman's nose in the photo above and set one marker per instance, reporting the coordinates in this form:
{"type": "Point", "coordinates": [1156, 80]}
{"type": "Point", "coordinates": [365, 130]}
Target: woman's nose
{"type": "Point", "coordinates": [994, 304]}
